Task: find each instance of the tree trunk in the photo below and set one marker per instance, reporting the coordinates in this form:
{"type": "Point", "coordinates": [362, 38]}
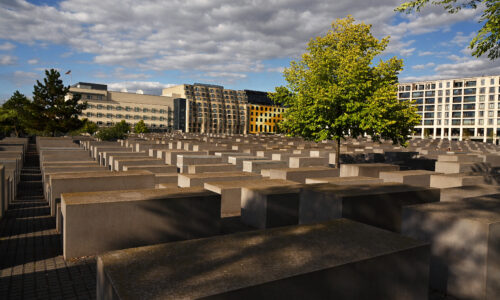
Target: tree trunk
{"type": "Point", "coordinates": [337, 155]}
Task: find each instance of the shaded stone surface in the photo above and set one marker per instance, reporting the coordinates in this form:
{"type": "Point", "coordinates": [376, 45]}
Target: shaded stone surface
{"type": "Point", "coordinates": [322, 261]}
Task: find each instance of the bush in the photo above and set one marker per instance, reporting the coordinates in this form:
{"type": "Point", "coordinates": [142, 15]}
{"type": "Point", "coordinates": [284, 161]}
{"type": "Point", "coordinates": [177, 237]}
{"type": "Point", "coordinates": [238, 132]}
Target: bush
{"type": "Point", "coordinates": [119, 131]}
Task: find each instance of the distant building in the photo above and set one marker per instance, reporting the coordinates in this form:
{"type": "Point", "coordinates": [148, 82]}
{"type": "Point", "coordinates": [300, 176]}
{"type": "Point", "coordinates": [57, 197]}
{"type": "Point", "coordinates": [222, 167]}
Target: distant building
{"type": "Point", "coordinates": [265, 118]}
{"type": "Point", "coordinates": [107, 107]}
{"type": "Point", "coordinates": [460, 108]}
{"type": "Point", "coordinates": [212, 108]}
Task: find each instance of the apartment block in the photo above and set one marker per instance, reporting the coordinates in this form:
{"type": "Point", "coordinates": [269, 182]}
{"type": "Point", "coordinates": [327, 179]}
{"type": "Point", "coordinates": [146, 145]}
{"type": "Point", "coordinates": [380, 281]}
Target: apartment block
{"type": "Point", "coordinates": [456, 109]}
{"type": "Point", "coordinates": [107, 107]}
{"type": "Point", "coordinates": [265, 118]}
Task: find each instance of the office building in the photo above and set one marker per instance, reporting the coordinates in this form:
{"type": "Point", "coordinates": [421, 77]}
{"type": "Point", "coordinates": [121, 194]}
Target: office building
{"type": "Point", "coordinates": [107, 107]}
{"type": "Point", "coordinates": [460, 108]}
{"type": "Point", "coordinates": [212, 108]}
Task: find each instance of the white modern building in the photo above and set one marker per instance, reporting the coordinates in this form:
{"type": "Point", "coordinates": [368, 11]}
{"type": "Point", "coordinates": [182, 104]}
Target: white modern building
{"type": "Point", "coordinates": [458, 109]}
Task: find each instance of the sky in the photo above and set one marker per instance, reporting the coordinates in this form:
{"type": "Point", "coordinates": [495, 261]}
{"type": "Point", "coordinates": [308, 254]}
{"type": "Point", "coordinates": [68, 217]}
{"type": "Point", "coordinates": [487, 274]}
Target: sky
{"type": "Point", "coordinates": [241, 44]}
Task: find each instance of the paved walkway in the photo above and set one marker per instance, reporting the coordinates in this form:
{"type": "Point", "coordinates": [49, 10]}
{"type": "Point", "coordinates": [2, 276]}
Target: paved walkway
{"type": "Point", "coordinates": [31, 262]}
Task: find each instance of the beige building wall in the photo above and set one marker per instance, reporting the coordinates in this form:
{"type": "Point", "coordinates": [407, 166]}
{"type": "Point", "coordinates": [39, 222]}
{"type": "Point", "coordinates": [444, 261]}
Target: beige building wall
{"type": "Point", "coordinates": [106, 108]}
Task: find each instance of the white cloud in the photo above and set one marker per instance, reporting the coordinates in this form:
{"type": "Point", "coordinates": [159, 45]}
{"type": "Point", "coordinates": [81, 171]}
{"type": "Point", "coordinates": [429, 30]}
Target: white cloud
{"type": "Point", "coordinates": [7, 46]}
{"type": "Point", "coordinates": [216, 38]}
{"type": "Point", "coordinates": [33, 61]}
{"type": "Point", "coordinates": [148, 87]}
{"type": "Point", "coordinates": [7, 60]}
{"type": "Point", "coordinates": [460, 39]}
{"type": "Point", "coordinates": [423, 66]}
{"type": "Point", "coordinates": [276, 69]}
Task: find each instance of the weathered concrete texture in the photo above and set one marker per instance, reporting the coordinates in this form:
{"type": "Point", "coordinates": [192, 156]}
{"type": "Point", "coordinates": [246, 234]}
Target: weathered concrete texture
{"type": "Point", "coordinates": [378, 205]}
{"type": "Point", "coordinates": [120, 163]}
{"type": "Point", "coordinates": [367, 170]}
{"type": "Point", "coordinates": [336, 260]}
{"type": "Point", "coordinates": [300, 174]}
{"type": "Point", "coordinates": [98, 222]}
{"type": "Point", "coordinates": [411, 177]}
{"type": "Point", "coordinates": [462, 192]}
{"type": "Point", "coordinates": [256, 166]}
{"type": "Point", "coordinates": [300, 162]}
{"type": "Point", "coordinates": [192, 180]}
{"type": "Point", "coordinates": [455, 180]}
{"type": "Point", "coordinates": [448, 167]}
{"type": "Point", "coordinates": [266, 207]}
{"type": "Point", "coordinates": [465, 245]}
{"type": "Point", "coordinates": [156, 169]}
{"type": "Point", "coordinates": [97, 181]}
{"type": "Point", "coordinates": [230, 192]}
{"type": "Point", "coordinates": [353, 180]}
{"type": "Point", "coordinates": [194, 169]}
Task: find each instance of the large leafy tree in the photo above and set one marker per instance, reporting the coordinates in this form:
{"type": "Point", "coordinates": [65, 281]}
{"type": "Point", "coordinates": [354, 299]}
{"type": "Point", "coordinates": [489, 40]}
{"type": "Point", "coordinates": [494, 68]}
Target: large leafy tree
{"type": "Point", "coordinates": [15, 114]}
{"type": "Point", "coordinates": [55, 112]}
{"type": "Point", "coordinates": [336, 90]}
{"type": "Point", "coordinates": [487, 39]}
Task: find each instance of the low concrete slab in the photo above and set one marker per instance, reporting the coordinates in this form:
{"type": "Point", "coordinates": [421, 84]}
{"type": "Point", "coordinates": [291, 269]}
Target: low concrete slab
{"type": "Point", "coordinates": [321, 261]}
{"type": "Point", "coordinates": [462, 192]}
{"type": "Point", "coordinates": [97, 181]}
{"type": "Point", "coordinates": [353, 180]}
{"type": "Point", "coordinates": [155, 169]}
{"type": "Point", "coordinates": [465, 251]}
{"type": "Point", "coordinates": [119, 163]}
{"type": "Point", "coordinates": [195, 169]}
{"type": "Point", "coordinates": [378, 205]}
{"type": "Point", "coordinates": [455, 180]}
{"type": "Point", "coordinates": [367, 170]}
{"type": "Point", "coordinates": [300, 162]}
{"type": "Point", "coordinates": [411, 177]}
{"type": "Point", "coordinates": [192, 180]}
{"type": "Point", "coordinates": [255, 166]}
{"type": "Point", "coordinates": [230, 192]}
{"type": "Point", "coordinates": [300, 174]}
{"type": "Point", "coordinates": [94, 223]}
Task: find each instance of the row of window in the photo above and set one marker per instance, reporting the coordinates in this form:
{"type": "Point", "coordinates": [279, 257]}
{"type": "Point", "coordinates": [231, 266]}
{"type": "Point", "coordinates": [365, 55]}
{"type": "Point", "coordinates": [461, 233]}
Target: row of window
{"type": "Point", "coordinates": [455, 107]}
{"type": "Point", "coordinates": [456, 83]}
{"type": "Point", "coordinates": [465, 114]}
{"type": "Point", "coordinates": [461, 122]}
{"type": "Point", "coordinates": [267, 108]}
{"type": "Point", "coordinates": [263, 128]}
{"type": "Point", "coordinates": [128, 108]}
{"type": "Point", "coordinates": [126, 117]}
{"type": "Point", "coordinates": [456, 99]}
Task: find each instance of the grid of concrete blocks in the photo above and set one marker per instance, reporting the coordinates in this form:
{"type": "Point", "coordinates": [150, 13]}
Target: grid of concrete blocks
{"type": "Point", "coordinates": [390, 223]}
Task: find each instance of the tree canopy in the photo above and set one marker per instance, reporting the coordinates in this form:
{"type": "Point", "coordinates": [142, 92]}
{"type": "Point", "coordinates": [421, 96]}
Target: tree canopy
{"type": "Point", "coordinates": [141, 127]}
{"type": "Point", "coordinates": [118, 131]}
{"type": "Point", "coordinates": [15, 115]}
{"type": "Point", "coordinates": [54, 112]}
{"type": "Point", "coordinates": [487, 39]}
{"type": "Point", "coordinates": [336, 91]}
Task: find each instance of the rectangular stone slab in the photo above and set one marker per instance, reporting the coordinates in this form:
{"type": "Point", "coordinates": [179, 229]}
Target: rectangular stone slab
{"type": "Point", "coordinates": [455, 180]}
{"type": "Point", "coordinates": [192, 180]}
{"type": "Point", "coordinates": [411, 177]}
{"type": "Point", "coordinates": [465, 245]}
{"type": "Point", "coordinates": [119, 163]}
{"type": "Point", "coordinates": [266, 207]}
{"type": "Point", "coordinates": [368, 170]}
{"type": "Point", "coordinates": [462, 192]}
{"type": "Point", "coordinates": [230, 192]}
{"type": "Point", "coordinates": [352, 180]}
{"type": "Point", "coordinates": [378, 205]}
{"type": "Point", "coordinates": [300, 174]}
{"type": "Point", "coordinates": [341, 259]}
{"type": "Point", "coordinates": [194, 169]}
{"type": "Point", "coordinates": [98, 222]}
{"type": "Point", "coordinates": [97, 181]}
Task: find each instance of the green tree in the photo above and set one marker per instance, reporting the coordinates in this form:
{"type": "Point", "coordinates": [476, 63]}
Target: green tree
{"type": "Point", "coordinates": [15, 114]}
{"type": "Point", "coordinates": [336, 91]}
{"type": "Point", "coordinates": [487, 38]}
{"type": "Point", "coordinates": [141, 127]}
{"type": "Point", "coordinates": [118, 131]}
{"type": "Point", "coordinates": [89, 127]}
{"type": "Point", "coordinates": [54, 111]}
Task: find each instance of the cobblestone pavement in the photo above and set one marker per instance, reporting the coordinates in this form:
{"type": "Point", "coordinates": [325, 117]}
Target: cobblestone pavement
{"type": "Point", "coordinates": [31, 262]}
